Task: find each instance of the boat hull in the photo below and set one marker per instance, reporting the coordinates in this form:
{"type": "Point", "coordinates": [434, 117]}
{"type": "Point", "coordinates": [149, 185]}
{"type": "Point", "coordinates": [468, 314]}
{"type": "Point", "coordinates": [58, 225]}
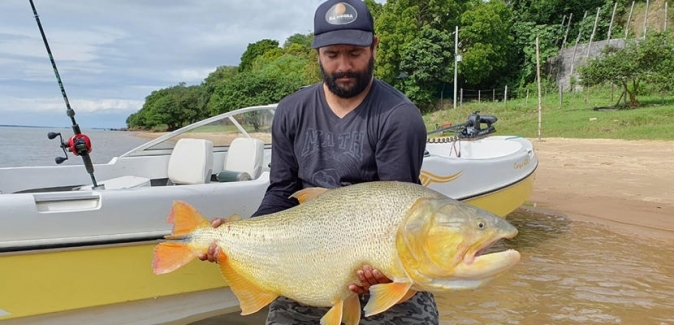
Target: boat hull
{"type": "Point", "coordinates": [71, 254]}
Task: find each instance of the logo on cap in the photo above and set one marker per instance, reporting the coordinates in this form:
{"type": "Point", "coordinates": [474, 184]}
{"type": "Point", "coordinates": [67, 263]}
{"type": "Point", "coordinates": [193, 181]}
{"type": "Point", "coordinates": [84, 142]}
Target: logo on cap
{"type": "Point", "coordinates": [341, 14]}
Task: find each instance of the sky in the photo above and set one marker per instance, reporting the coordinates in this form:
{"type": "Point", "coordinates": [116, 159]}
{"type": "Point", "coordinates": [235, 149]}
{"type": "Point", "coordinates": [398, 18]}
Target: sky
{"type": "Point", "coordinates": [111, 54]}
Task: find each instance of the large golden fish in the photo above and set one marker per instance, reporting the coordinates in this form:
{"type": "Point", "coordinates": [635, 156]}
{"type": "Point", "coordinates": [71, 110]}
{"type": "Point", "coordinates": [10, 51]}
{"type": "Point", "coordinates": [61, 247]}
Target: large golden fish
{"type": "Point", "coordinates": [417, 237]}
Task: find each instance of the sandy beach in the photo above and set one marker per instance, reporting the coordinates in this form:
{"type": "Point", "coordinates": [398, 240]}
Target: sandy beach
{"type": "Point", "coordinates": [627, 186]}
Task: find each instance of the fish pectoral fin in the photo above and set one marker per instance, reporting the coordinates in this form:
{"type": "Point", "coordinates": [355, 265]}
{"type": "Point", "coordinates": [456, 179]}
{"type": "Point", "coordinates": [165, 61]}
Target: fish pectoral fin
{"type": "Point", "coordinates": [169, 256]}
{"type": "Point", "coordinates": [251, 297]}
{"type": "Point", "coordinates": [385, 295]}
{"type": "Point", "coordinates": [351, 310]}
{"type": "Point", "coordinates": [334, 315]}
{"type": "Point", "coordinates": [308, 193]}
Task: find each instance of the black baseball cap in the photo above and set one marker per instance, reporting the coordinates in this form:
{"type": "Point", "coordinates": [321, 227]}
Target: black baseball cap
{"type": "Point", "coordinates": [343, 22]}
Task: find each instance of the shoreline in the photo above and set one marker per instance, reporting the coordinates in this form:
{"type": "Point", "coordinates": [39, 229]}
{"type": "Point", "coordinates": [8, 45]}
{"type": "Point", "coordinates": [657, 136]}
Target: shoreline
{"type": "Point", "coordinates": [626, 186]}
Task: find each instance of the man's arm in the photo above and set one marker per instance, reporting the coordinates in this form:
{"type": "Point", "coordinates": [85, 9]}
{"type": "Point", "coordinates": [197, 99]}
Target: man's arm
{"type": "Point", "coordinates": [283, 179]}
{"type": "Point", "coordinates": [401, 145]}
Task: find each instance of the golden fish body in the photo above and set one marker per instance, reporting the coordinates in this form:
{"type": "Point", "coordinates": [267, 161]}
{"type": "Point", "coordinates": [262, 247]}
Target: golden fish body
{"type": "Point", "coordinates": [417, 237]}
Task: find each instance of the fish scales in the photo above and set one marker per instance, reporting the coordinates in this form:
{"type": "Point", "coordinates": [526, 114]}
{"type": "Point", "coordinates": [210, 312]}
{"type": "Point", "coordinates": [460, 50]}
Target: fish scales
{"type": "Point", "coordinates": [337, 234]}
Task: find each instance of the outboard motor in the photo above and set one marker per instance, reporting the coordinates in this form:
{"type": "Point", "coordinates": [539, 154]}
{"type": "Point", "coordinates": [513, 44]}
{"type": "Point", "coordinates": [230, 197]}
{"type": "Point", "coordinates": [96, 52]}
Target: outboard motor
{"type": "Point", "coordinates": [474, 125]}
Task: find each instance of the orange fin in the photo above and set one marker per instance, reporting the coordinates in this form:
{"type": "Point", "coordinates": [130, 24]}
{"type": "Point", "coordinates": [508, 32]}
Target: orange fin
{"type": "Point", "coordinates": [232, 218]}
{"type": "Point", "coordinates": [408, 295]}
{"type": "Point", "coordinates": [308, 193]}
{"type": "Point", "coordinates": [169, 256]}
{"type": "Point", "coordinates": [383, 296]}
{"type": "Point", "coordinates": [185, 219]}
{"type": "Point", "coordinates": [251, 297]}
{"type": "Point", "coordinates": [351, 313]}
{"type": "Point", "coordinates": [334, 315]}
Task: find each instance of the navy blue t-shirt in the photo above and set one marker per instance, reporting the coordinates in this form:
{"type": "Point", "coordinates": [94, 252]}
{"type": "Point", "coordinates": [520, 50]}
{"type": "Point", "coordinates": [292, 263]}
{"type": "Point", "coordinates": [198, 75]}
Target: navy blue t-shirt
{"type": "Point", "coordinates": [382, 139]}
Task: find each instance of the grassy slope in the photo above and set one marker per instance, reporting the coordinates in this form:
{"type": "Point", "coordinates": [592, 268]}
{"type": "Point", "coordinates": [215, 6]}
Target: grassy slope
{"type": "Point", "coordinates": [654, 120]}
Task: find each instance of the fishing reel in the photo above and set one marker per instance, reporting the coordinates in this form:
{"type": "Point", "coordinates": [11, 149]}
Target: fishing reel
{"type": "Point", "coordinates": [78, 145]}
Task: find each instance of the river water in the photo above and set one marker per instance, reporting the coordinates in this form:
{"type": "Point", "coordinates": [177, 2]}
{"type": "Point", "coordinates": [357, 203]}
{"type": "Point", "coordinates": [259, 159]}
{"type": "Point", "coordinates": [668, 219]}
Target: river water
{"type": "Point", "coordinates": [25, 146]}
{"type": "Point", "coordinates": [570, 272]}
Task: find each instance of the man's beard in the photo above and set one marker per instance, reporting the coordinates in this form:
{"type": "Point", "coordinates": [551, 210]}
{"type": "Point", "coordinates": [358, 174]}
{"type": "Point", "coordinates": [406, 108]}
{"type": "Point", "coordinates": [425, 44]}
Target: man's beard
{"type": "Point", "coordinates": [362, 80]}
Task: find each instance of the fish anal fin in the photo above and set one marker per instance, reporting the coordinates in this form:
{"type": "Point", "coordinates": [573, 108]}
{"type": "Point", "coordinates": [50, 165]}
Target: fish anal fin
{"type": "Point", "coordinates": [185, 219]}
{"type": "Point", "coordinates": [385, 295]}
{"type": "Point", "coordinates": [351, 310]}
{"type": "Point", "coordinates": [251, 297]}
{"type": "Point", "coordinates": [169, 256]}
{"type": "Point", "coordinates": [308, 193]}
{"type": "Point", "coordinates": [334, 315]}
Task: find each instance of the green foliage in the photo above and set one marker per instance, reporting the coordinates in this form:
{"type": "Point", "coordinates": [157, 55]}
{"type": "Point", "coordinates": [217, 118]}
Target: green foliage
{"type": "Point", "coordinates": [637, 63]}
{"type": "Point", "coordinates": [485, 42]}
{"type": "Point", "coordinates": [426, 62]}
{"type": "Point", "coordinates": [171, 107]}
{"type": "Point", "coordinates": [255, 50]}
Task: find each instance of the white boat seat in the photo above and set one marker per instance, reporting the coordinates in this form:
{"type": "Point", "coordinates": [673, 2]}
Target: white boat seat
{"type": "Point", "coordinates": [191, 162]}
{"type": "Point", "coordinates": [244, 160]}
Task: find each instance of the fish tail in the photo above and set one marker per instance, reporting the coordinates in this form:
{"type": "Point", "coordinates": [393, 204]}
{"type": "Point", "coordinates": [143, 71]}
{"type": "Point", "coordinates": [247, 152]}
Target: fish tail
{"type": "Point", "coordinates": [171, 255]}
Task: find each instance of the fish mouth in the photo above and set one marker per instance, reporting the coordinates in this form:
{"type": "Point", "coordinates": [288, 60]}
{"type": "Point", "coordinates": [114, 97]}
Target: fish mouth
{"type": "Point", "coordinates": [485, 262]}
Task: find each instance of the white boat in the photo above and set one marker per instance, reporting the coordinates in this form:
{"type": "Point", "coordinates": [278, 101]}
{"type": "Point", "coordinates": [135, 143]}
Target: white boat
{"type": "Point", "coordinates": [71, 253]}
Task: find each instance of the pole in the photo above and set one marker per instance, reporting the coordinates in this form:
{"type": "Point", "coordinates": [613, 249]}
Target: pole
{"type": "Point", "coordinates": [81, 145]}
{"type": "Point", "coordinates": [538, 80]}
{"type": "Point", "coordinates": [568, 26]}
{"type": "Point", "coordinates": [594, 30]}
{"type": "Point", "coordinates": [610, 26]}
{"type": "Point", "coordinates": [575, 47]}
{"type": "Point", "coordinates": [645, 18]}
{"type": "Point", "coordinates": [456, 59]}
{"type": "Point", "coordinates": [627, 27]}
{"type": "Point", "coordinates": [505, 97]}
{"type": "Point", "coordinates": [665, 27]}
{"type": "Point", "coordinates": [461, 102]}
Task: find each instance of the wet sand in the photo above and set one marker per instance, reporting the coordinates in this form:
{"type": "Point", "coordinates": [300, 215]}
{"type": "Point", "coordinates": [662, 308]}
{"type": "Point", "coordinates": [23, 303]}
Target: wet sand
{"type": "Point", "coordinates": [627, 186]}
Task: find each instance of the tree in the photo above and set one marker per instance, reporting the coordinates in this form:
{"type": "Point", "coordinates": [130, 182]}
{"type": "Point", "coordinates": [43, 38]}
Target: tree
{"type": "Point", "coordinates": [255, 50]}
{"type": "Point", "coordinates": [400, 22]}
{"type": "Point", "coordinates": [426, 62]}
{"type": "Point", "coordinates": [638, 62]}
{"type": "Point", "coordinates": [485, 42]}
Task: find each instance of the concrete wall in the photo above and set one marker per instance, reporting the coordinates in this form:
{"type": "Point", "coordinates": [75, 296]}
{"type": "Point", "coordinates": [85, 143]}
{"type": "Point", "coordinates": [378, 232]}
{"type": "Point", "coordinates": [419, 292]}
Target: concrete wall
{"type": "Point", "coordinates": [565, 65]}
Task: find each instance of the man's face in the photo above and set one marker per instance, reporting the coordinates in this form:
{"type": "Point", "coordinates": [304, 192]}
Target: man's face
{"type": "Point", "coordinates": [346, 69]}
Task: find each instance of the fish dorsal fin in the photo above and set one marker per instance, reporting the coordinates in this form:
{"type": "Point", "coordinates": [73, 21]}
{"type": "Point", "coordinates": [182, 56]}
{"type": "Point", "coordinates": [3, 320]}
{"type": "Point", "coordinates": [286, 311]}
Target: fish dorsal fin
{"type": "Point", "coordinates": [308, 193]}
{"type": "Point", "coordinates": [351, 310]}
{"type": "Point", "coordinates": [185, 219]}
{"type": "Point", "coordinates": [234, 217]}
{"type": "Point", "coordinates": [334, 315]}
{"type": "Point", "coordinates": [385, 295]}
{"type": "Point", "coordinates": [251, 297]}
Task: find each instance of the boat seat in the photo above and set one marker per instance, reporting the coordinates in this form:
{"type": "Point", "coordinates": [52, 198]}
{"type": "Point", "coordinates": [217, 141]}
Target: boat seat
{"type": "Point", "coordinates": [191, 162]}
{"type": "Point", "coordinates": [244, 160]}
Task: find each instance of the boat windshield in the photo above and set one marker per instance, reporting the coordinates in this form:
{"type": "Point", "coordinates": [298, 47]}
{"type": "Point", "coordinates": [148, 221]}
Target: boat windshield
{"type": "Point", "coordinates": [221, 130]}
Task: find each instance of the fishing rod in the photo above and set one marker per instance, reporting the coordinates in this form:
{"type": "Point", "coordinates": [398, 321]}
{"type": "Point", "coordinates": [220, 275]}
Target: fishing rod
{"type": "Point", "coordinates": [79, 144]}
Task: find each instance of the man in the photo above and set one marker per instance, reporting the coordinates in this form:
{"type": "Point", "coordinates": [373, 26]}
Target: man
{"type": "Point", "coordinates": [350, 128]}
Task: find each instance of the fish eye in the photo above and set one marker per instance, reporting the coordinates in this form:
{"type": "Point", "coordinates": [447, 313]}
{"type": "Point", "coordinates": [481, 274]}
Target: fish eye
{"type": "Point", "coordinates": [481, 224]}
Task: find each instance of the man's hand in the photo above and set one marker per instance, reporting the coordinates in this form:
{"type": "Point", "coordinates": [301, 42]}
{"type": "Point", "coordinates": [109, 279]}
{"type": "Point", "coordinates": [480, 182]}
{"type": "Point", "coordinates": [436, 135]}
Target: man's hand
{"type": "Point", "coordinates": [212, 254]}
{"type": "Point", "coordinates": [368, 277]}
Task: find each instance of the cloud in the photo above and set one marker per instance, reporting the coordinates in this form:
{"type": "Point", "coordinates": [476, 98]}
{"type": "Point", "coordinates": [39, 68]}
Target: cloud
{"type": "Point", "coordinates": [111, 54]}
